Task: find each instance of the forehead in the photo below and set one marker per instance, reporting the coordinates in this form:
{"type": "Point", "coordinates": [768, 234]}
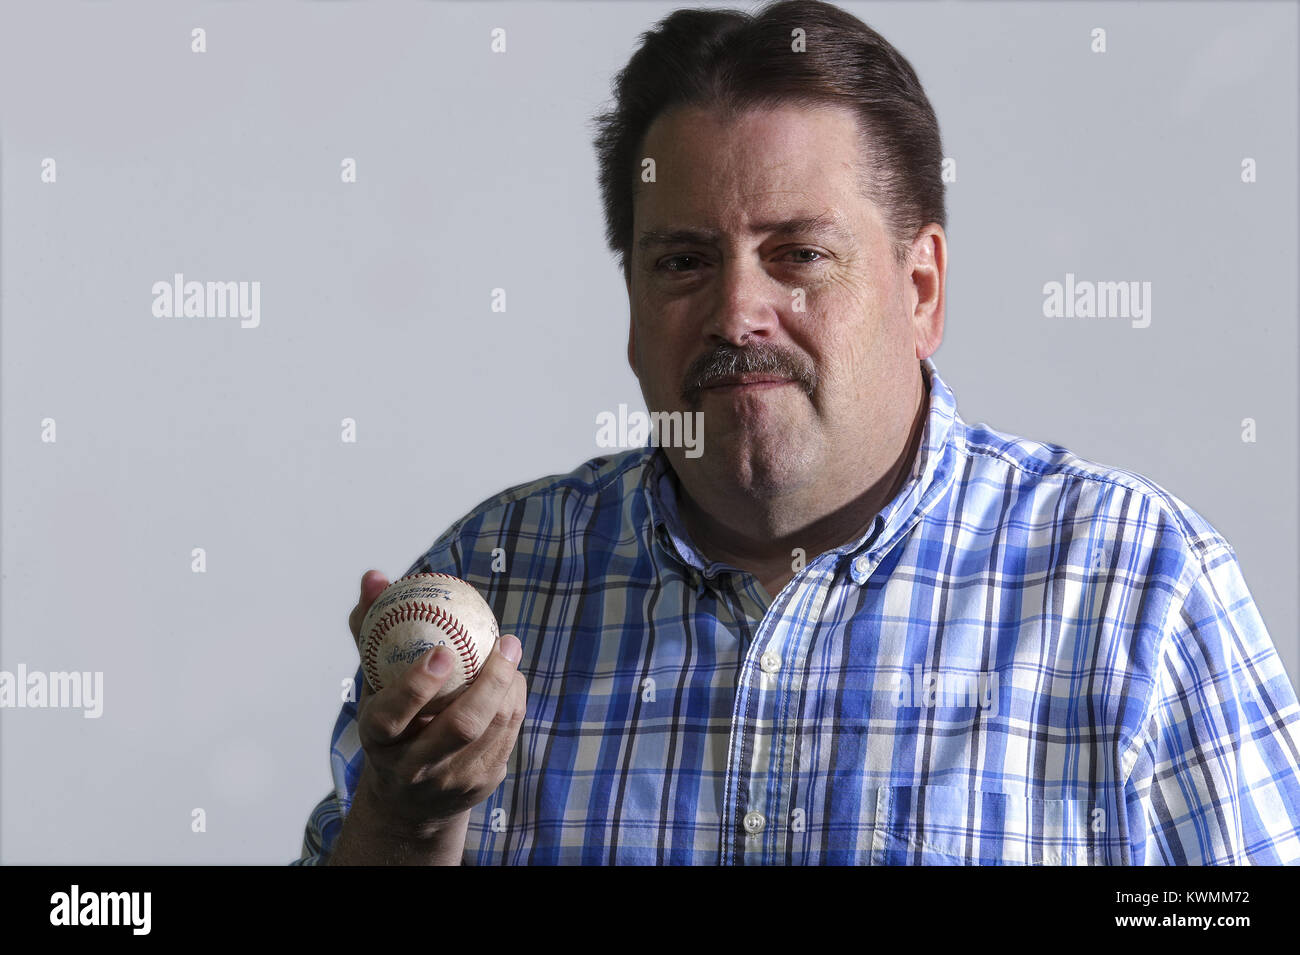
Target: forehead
{"type": "Point", "coordinates": [771, 163]}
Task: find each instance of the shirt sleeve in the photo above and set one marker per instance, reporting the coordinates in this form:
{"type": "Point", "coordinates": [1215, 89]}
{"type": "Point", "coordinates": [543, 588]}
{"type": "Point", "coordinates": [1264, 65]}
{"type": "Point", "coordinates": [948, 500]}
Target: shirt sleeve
{"type": "Point", "coordinates": [322, 829]}
{"type": "Point", "coordinates": [346, 762]}
{"type": "Point", "coordinates": [1217, 777]}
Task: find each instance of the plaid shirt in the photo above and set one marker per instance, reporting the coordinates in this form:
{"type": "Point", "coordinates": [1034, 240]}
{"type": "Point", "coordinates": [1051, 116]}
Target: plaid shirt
{"type": "Point", "coordinates": [1028, 658]}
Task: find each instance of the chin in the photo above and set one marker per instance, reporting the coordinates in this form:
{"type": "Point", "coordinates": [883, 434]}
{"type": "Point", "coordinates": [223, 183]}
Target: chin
{"type": "Point", "coordinates": [764, 469]}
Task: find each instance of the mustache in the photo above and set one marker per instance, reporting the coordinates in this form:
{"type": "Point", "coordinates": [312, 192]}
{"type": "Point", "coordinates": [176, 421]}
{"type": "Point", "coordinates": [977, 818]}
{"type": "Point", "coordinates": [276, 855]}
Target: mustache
{"type": "Point", "coordinates": [763, 358]}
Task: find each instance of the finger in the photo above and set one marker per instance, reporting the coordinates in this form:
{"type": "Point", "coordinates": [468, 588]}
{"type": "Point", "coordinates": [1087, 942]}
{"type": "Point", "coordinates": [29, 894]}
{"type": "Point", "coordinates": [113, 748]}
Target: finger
{"type": "Point", "coordinates": [390, 711]}
{"type": "Point", "coordinates": [493, 748]}
{"type": "Point", "coordinates": [373, 583]}
{"type": "Point", "coordinates": [471, 713]}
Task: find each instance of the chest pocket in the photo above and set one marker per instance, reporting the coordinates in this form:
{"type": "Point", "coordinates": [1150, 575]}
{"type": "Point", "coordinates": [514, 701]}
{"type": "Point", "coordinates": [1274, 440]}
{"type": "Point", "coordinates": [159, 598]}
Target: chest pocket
{"type": "Point", "coordinates": [948, 825]}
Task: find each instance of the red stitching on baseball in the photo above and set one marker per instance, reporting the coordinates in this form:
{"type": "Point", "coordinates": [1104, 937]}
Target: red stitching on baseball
{"type": "Point", "coordinates": [430, 613]}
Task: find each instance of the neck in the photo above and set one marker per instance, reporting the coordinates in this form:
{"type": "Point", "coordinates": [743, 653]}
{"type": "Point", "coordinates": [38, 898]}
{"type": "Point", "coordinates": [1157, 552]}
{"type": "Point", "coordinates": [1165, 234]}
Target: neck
{"type": "Point", "coordinates": [765, 535]}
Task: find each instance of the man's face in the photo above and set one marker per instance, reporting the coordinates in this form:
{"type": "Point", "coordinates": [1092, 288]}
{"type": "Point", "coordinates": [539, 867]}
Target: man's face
{"type": "Point", "coordinates": [797, 343]}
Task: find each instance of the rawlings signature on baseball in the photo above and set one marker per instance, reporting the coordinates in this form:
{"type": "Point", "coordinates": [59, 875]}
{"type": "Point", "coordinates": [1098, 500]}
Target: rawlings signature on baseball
{"type": "Point", "coordinates": [422, 611]}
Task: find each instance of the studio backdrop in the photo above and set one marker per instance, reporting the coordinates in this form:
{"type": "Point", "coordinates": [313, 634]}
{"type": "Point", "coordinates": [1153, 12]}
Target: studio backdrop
{"type": "Point", "coordinates": [392, 211]}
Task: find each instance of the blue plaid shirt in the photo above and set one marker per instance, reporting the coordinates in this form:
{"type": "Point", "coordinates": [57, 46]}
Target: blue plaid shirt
{"type": "Point", "coordinates": [1028, 658]}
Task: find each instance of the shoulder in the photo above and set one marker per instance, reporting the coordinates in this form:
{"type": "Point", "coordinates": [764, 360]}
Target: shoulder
{"type": "Point", "coordinates": [601, 490]}
{"type": "Point", "coordinates": [1120, 503]}
{"type": "Point", "coordinates": [602, 481]}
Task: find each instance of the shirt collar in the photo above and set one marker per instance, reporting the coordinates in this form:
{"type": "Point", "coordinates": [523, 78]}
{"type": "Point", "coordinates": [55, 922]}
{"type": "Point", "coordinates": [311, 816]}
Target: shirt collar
{"type": "Point", "coordinates": [932, 472]}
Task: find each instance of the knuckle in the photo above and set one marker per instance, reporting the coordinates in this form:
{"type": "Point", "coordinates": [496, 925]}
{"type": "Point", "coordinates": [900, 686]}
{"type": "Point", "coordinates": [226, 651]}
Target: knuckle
{"type": "Point", "coordinates": [504, 717]}
{"type": "Point", "coordinates": [374, 731]}
{"type": "Point", "coordinates": [381, 718]}
{"type": "Point", "coordinates": [405, 693]}
{"type": "Point", "coordinates": [471, 787]}
{"type": "Point", "coordinates": [417, 685]}
{"type": "Point", "coordinates": [457, 788]}
{"type": "Point", "coordinates": [500, 674]}
{"type": "Point", "coordinates": [463, 726]}
{"type": "Point", "coordinates": [460, 782]}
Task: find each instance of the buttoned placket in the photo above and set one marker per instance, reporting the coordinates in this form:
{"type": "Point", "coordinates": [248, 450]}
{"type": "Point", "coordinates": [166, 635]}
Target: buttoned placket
{"type": "Point", "coordinates": [761, 766]}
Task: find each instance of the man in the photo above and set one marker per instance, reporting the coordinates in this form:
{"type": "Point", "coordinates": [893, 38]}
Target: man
{"type": "Point", "coordinates": [854, 629]}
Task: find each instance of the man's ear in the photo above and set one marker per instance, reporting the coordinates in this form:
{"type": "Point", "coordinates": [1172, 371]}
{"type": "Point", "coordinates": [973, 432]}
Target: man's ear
{"type": "Point", "coordinates": [631, 346]}
{"type": "Point", "coordinates": [631, 325]}
{"type": "Point", "coordinates": [929, 265]}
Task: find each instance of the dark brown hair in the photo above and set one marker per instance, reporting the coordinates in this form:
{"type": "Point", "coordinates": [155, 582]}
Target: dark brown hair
{"type": "Point", "coordinates": [732, 61]}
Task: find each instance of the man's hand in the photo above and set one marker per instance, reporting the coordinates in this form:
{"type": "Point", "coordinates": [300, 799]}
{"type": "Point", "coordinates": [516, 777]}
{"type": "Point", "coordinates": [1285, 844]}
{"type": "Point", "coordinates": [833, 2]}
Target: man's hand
{"type": "Point", "coordinates": [426, 767]}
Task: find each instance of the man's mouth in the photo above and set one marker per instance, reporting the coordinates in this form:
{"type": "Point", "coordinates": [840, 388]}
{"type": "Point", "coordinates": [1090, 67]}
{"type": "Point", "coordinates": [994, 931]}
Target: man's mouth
{"type": "Point", "coordinates": [751, 380]}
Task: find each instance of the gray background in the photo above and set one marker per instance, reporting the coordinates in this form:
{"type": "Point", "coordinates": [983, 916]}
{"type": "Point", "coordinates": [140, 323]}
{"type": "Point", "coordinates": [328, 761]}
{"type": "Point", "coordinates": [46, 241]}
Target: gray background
{"type": "Point", "coordinates": [476, 172]}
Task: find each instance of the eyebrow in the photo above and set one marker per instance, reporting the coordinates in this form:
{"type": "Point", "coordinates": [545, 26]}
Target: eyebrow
{"type": "Point", "coordinates": [802, 225]}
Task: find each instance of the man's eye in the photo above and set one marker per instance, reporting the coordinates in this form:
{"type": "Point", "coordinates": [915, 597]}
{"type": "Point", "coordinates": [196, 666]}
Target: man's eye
{"type": "Point", "coordinates": [665, 264]}
{"type": "Point", "coordinates": [683, 261]}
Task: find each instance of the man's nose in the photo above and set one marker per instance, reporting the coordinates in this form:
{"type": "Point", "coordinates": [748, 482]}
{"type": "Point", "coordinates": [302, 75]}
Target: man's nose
{"type": "Point", "coordinates": [746, 302]}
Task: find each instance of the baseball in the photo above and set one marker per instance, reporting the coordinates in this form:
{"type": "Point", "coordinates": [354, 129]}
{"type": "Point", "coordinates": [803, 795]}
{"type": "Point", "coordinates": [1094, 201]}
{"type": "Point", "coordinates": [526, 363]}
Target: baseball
{"type": "Point", "coordinates": [422, 611]}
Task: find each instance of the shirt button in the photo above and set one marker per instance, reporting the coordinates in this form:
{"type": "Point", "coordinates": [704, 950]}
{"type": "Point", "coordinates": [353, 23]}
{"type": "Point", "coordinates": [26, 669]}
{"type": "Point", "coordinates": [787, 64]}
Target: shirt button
{"type": "Point", "coordinates": [862, 563]}
{"type": "Point", "coordinates": [770, 662]}
{"type": "Point", "coordinates": [754, 822]}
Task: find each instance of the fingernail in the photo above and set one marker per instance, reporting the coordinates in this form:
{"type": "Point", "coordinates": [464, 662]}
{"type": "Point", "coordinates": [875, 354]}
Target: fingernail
{"type": "Point", "coordinates": [511, 648]}
{"type": "Point", "coordinates": [439, 662]}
